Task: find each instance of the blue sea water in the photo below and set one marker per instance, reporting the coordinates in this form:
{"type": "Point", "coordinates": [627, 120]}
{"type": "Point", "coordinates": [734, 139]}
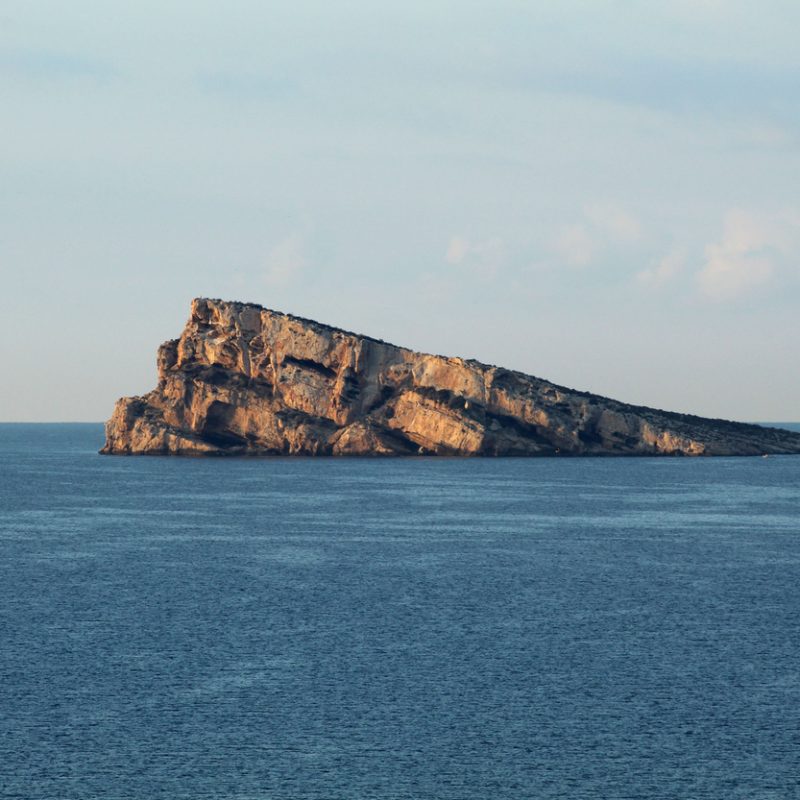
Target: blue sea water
{"type": "Point", "coordinates": [422, 628]}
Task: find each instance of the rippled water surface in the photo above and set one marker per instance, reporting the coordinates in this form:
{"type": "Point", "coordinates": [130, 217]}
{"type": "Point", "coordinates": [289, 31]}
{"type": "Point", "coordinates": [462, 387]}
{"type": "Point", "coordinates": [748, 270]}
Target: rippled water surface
{"type": "Point", "coordinates": [423, 628]}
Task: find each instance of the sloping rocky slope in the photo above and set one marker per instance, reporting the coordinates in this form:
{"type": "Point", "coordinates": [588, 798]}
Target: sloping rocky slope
{"type": "Point", "coordinates": [245, 380]}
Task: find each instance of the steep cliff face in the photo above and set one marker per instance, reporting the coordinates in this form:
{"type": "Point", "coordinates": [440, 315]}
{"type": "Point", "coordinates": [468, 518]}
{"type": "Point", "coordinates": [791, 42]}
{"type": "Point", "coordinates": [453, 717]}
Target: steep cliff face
{"type": "Point", "coordinates": [245, 380]}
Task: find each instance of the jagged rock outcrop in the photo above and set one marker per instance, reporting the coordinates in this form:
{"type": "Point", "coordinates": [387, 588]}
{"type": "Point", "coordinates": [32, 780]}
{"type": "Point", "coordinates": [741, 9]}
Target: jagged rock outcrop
{"type": "Point", "coordinates": [244, 380]}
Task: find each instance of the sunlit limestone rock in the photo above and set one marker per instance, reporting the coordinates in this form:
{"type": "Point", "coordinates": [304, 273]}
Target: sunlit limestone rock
{"type": "Point", "coordinates": [244, 380]}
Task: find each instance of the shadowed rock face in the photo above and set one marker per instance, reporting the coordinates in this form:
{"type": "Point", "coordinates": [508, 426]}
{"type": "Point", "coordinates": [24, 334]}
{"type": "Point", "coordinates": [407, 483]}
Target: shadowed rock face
{"type": "Point", "coordinates": [244, 380]}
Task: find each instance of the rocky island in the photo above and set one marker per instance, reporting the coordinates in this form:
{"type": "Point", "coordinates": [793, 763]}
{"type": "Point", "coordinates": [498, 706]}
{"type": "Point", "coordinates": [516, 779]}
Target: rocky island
{"type": "Point", "coordinates": [245, 380]}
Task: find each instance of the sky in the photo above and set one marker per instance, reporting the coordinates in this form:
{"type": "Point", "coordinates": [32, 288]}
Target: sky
{"type": "Point", "coordinates": [605, 194]}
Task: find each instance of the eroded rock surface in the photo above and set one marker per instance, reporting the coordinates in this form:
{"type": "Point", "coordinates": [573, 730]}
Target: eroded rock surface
{"type": "Point", "coordinates": [244, 380]}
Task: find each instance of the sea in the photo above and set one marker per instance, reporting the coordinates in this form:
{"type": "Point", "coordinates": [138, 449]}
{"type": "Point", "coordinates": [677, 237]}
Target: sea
{"type": "Point", "coordinates": [261, 629]}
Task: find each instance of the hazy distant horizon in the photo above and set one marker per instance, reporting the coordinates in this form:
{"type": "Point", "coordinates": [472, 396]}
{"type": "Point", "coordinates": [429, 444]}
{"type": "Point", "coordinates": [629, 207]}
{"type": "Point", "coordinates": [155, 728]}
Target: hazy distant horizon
{"type": "Point", "coordinates": [603, 195]}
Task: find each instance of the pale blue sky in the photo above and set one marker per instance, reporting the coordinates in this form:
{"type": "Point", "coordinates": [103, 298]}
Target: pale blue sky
{"type": "Point", "coordinates": [601, 193]}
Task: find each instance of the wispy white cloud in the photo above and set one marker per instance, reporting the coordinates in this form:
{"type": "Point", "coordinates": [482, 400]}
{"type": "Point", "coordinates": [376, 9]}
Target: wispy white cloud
{"type": "Point", "coordinates": [603, 226]}
{"type": "Point", "coordinates": [753, 249]}
{"type": "Point", "coordinates": [457, 250]}
{"type": "Point", "coordinates": [664, 271]}
{"type": "Point", "coordinates": [614, 223]}
{"type": "Point", "coordinates": [483, 258]}
{"type": "Point", "coordinates": [763, 135]}
{"type": "Point", "coordinates": [574, 245]}
{"type": "Point", "coordinates": [285, 262]}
